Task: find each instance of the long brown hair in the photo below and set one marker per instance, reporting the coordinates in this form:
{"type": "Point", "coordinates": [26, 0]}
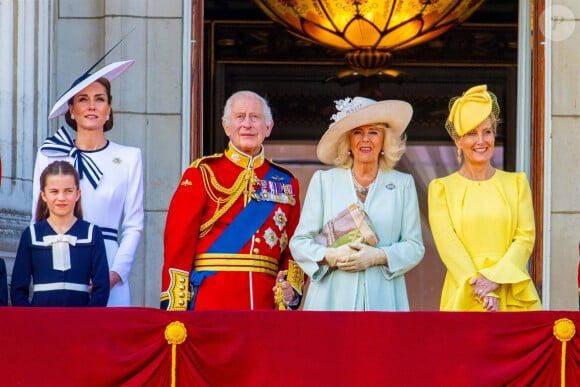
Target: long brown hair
{"type": "Point", "coordinates": [109, 123]}
{"type": "Point", "coordinates": [57, 168]}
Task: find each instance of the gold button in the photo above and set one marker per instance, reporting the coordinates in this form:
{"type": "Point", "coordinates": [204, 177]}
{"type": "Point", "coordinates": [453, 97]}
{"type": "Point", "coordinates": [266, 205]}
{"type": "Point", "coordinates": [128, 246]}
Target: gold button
{"type": "Point", "coordinates": [256, 251]}
{"type": "Point", "coordinates": [181, 287]}
{"type": "Point", "coordinates": [181, 302]}
{"type": "Point", "coordinates": [181, 295]}
{"type": "Point", "coordinates": [182, 280]}
{"type": "Point", "coordinates": [258, 240]}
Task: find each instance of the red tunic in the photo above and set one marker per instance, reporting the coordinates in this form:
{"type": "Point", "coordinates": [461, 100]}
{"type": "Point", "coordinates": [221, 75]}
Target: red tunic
{"type": "Point", "coordinates": [192, 206]}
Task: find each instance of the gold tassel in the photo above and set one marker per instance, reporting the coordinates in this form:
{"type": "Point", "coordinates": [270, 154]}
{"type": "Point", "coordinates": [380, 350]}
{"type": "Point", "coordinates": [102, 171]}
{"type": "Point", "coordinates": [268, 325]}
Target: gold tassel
{"type": "Point", "coordinates": [175, 333]}
{"type": "Point", "coordinates": [279, 297]}
{"type": "Point", "coordinates": [564, 330]}
{"type": "Point", "coordinates": [295, 276]}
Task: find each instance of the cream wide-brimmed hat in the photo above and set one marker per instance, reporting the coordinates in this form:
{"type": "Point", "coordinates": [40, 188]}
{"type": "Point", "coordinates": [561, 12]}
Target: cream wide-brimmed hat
{"type": "Point", "coordinates": [360, 111]}
{"type": "Point", "coordinates": [109, 72]}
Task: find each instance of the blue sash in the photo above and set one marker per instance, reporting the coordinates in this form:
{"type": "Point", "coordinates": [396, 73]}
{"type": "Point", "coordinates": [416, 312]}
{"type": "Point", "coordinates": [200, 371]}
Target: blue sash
{"type": "Point", "coordinates": [196, 278]}
{"type": "Point", "coordinates": [240, 230]}
{"type": "Point", "coordinates": [245, 224]}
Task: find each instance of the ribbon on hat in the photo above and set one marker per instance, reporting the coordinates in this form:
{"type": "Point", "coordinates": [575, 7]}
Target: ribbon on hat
{"type": "Point", "coordinates": [60, 250]}
{"type": "Point", "coordinates": [61, 145]}
{"type": "Point", "coordinates": [471, 109]}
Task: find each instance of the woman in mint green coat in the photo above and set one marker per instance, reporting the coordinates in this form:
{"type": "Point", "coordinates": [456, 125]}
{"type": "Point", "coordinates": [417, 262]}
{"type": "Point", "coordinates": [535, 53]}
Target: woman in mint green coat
{"type": "Point", "coordinates": [364, 143]}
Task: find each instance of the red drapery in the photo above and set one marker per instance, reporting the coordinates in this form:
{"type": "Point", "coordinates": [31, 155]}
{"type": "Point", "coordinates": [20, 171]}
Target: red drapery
{"type": "Point", "coordinates": [128, 346]}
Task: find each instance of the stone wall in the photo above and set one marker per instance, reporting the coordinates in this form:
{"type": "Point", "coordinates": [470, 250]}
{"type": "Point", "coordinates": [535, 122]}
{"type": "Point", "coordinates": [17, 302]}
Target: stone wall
{"type": "Point", "coordinates": [52, 43]}
{"type": "Point", "coordinates": [564, 92]}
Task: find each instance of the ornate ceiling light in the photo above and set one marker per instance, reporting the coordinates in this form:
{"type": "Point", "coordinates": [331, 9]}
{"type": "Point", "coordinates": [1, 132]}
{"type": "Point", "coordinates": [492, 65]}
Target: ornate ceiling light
{"type": "Point", "coordinates": [368, 30]}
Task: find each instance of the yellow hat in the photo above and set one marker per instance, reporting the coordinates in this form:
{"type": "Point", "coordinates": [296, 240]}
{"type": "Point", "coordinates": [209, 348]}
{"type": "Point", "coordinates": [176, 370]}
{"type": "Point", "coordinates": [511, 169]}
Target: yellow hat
{"type": "Point", "coordinates": [470, 110]}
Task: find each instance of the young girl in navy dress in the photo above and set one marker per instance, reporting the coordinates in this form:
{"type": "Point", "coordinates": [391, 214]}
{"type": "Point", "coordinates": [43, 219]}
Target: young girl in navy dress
{"type": "Point", "coordinates": [62, 254]}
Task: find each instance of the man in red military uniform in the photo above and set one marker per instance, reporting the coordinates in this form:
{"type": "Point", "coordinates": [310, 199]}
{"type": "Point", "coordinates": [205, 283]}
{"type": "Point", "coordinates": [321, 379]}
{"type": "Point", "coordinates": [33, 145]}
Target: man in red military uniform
{"type": "Point", "coordinates": [230, 220]}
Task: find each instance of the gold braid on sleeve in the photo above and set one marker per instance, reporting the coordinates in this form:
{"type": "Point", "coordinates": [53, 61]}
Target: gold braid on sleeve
{"type": "Point", "coordinates": [243, 184]}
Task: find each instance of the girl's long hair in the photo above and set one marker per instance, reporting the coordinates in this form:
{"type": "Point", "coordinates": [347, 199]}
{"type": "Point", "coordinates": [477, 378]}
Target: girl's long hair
{"type": "Point", "coordinates": [56, 168]}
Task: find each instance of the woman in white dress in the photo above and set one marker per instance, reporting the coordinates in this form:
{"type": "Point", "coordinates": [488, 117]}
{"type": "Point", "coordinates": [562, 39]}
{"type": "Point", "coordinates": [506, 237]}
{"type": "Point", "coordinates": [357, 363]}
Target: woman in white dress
{"type": "Point", "coordinates": [111, 174]}
{"type": "Point", "coordinates": [364, 143]}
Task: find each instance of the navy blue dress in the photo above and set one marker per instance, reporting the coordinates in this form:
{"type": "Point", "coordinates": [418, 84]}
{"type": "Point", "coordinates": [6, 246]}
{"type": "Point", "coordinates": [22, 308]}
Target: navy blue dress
{"type": "Point", "coordinates": [3, 284]}
{"type": "Point", "coordinates": [58, 287]}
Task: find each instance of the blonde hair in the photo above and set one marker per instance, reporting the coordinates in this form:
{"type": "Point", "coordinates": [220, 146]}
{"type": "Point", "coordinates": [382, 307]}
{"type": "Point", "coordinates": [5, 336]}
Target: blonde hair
{"type": "Point", "coordinates": [393, 149]}
{"type": "Point", "coordinates": [455, 136]}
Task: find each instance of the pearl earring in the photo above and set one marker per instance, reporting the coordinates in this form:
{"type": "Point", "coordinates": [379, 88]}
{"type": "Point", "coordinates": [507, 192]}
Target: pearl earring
{"type": "Point", "coordinates": [382, 153]}
{"type": "Point", "coordinates": [72, 116]}
{"type": "Point", "coordinates": [107, 118]}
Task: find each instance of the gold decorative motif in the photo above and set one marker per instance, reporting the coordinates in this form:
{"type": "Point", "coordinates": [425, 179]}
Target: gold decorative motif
{"type": "Point", "coordinates": [176, 296]}
{"type": "Point", "coordinates": [175, 332]}
{"type": "Point", "coordinates": [186, 183]}
{"type": "Point", "coordinates": [564, 329]}
{"type": "Point", "coordinates": [295, 276]}
{"type": "Point", "coordinates": [117, 160]}
{"type": "Point", "coordinates": [213, 188]}
{"type": "Point", "coordinates": [279, 297]}
{"type": "Point", "coordinates": [236, 262]}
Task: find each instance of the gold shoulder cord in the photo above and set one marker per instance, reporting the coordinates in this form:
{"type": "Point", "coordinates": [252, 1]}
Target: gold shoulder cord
{"type": "Point", "coordinates": [242, 184]}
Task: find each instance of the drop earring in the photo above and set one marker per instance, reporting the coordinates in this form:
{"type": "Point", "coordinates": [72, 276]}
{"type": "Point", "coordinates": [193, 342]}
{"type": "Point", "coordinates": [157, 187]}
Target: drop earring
{"type": "Point", "coordinates": [458, 155]}
{"type": "Point", "coordinates": [72, 116]}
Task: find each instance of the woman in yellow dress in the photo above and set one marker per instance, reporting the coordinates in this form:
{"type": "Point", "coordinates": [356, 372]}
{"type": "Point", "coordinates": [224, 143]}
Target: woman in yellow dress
{"type": "Point", "coordinates": [482, 218]}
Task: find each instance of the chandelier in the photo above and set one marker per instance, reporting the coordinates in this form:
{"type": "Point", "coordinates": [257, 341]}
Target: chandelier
{"type": "Point", "coordinates": [368, 30]}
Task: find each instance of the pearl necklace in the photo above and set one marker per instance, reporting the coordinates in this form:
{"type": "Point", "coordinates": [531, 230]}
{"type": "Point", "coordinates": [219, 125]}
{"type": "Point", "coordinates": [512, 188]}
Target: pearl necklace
{"type": "Point", "coordinates": [361, 189]}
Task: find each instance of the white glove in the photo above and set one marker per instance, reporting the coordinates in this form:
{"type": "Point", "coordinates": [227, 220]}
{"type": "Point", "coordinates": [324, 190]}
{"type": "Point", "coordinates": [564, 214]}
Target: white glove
{"type": "Point", "coordinates": [332, 254]}
{"type": "Point", "coordinates": [364, 257]}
